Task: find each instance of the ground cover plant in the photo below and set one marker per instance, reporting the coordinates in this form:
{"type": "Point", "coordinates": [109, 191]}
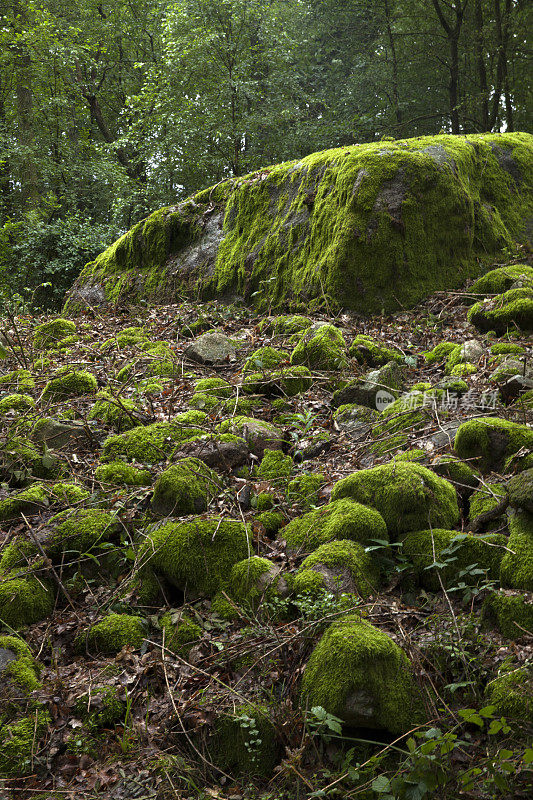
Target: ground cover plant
{"type": "Point", "coordinates": [221, 578]}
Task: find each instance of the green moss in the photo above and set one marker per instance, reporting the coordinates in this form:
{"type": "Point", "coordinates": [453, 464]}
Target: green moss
{"type": "Point", "coordinates": [349, 414]}
{"type": "Point", "coordinates": [357, 673]}
{"type": "Point", "coordinates": [525, 400]}
{"type": "Point", "coordinates": [19, 459]}
{"type": "Point", "coordinates": [517, 565]}
{"type": "Point", "coordinates": [510, 613]}
{"type": "Point", "coordinates": [23, 672]}
{"type": "Point", "coordinates": [79, 531]}
{"type": "Point", "coordinates": [497, 281]}
{"type": "Point", "coordinates": [414, 454]}
{"type": "Point", "coordinates": [510, 310]}
{"type": "Point", "coordinates": [150, 444]}
{"type": "Point", "coordinates": [389, 445]}
{"type": "Point", "coordinates": [28, 501]}
{"type": "Point", "coordinates": [127, 337]}
{"type": "Point", "coordinates": [19, 743]}
{"type": "Point", "coordinates": [361, 225]}
{"type": "Point", "coordinates": [253, 579]}
{"type": "Point", "coordinates": [342, 566]}
{"type": "Point", "coordinates": [512, 694]}
{"type": "Point", "coordinates": [20, 380]}
{"type": "Point", "coordinates": [275, 466]}
{"type": "Point", "coordinates": [485, 499]}
{"type": "Point", "coordinates": [184, 488]}
{"type": "Point", "coordinates": [263, 501]}
{"type": "Point", "coordinates": [368, 351]}
{"type": "Point", "coordinates": [285, 325]}
{"type": "Point", "coordinates": [16, 402]}
{"type": "Point", "coordinates": [440, 352]}
{"type": "Point", "coordinates": [244, 742]}
{"type": "Point", "coordinates": [214, 387]}
{"type": "Point", "coordinates": [271, 521]}
{"type": "Point", "coordinates": [240, 406]}
{"type": "Point", "coordinates": [265, 358]}
{"type": "Point", "coordinates": [50, 333]}
{"type": "Point", "coordinates": [456, 552]}
{"type": "Point", "coordinates": [406, 413]}
{"type": "Point", "coordinates": [117, 412]}
{"type": "Point", "coordinates": [24, 601]}
{"type": "Point", "coordinates": [341, 519]}
{"type": "Point", "coordinates": [259, 435]}
{"type": "Point", "coordinates": [458, 472]}
{"type": "Point", "coordinates": [452, 385]}
{"type": "Point", "coordinates": [180, 634]}
{"type": "Point", "coordinates": [321, 347]}
{"type": "Point", "coordinates": [117, 473]}
{"type": "Point", "coordinates": [287, 382]}
{"type": "Point", "coordinates": [204, 402]}
{"type": "Point", "coordinates": [196, 556]}
{"type": "Point", "coordinates": [68, 493]}
{"type": "Point", "coordinates": [521, 490]}
{"type": "Point", "coordinates": [70, 383]}
{"type": "Point", "coordinates": [507, 348]}
{"type": "Point", "coordinates": [408, 496]}
{"type": "Point", "coordinates": [460, 370]}
{"type": "Point", "coordinates": [304, 489]}
{"type": "Point", "coordinates": [111, 634]}
{"type": "Point", "coordinates": [489, 441]}
{"type": "Point", "coordinates": [101, 708]}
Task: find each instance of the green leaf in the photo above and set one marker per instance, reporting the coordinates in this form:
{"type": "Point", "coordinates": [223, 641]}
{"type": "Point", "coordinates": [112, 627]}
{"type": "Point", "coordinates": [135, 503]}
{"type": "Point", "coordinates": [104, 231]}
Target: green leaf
{"type": "Point", "coordinates": [381, 784]}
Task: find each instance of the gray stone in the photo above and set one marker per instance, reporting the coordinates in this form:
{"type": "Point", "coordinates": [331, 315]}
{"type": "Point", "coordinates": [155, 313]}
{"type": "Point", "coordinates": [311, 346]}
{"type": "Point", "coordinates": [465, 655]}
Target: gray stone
{"type": "Point", "coordinates": [471, 351]}
{"type": "Point", "coordinates": [259, 436]}
{"type": "Point", "coordinates": [364, 391]}
{"type": "Point", "coordinates": [6, 657]}
{"type": "Point", "coordinates": [217, 453]}
{"type": "Point", "coordinates": [211, 348]}
{"type": "Point", "coordinates": [56, 434]}
{"type": "Point", "coordinates": [355, 419]}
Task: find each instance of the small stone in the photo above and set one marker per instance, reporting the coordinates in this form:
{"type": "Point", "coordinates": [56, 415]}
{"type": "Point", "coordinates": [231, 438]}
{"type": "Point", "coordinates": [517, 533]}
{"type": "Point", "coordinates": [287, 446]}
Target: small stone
{"type": "Point", "coordinates": [211, 348]}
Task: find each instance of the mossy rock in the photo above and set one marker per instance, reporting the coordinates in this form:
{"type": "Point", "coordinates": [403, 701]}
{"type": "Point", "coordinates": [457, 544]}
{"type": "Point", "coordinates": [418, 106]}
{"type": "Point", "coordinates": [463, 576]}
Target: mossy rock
{"type": "Point", "coordinates": [510, 310]}
{"type": "Point", "coordinates": [520, 490]}
{"type": "Point", "coordinates": [340, 567]}
{"type": "Point", "coordinates": [19, 675]}
{"type": "Point", "coordinates": [304, 489]}
{"type": "Point", "coordinates": [70, 383]}
{"type": "Point", "coordinates": [440, 352]}
{"type": "Point", "coordinates": [195, 556]}
{"type": "Point", "coordinates": [214, 387]}
{"type": "Point", "coordinates": [507, 348]}
{"type": "Point", "coordinates": [181, 633]}
{"type": "Point", "coordinates": [258, 434]}
{"type": "Point", "coordinates": [16, 402]}
{"type": "Point", "coordinates": [100, 708]}
{"type": "Point", "coordinates": [18, 743]}
{"type": "Point", "coordinates": [111, 634]}
{"type": "Point", "coordinates": [357, 673]}
{"type": "Point", "coordinates": [340, 519]}
{"type": "Point", "coordinates": [463, 370]}
{"type": "Point", "coordinates": [254, 579]}
{"type": "Point", "coordinates": [186, 487]}
{"type": "Point", "coordinates": [517, 564]}
{"type": "Point", "coordinates": [453, 557]}
{"type": "Point", "coordinates": [512, 694]}
{"type": "Point", "coordinates": [287, 382]}
{"type": "Point", "coordinates": [28, 501]}
{"type": "Point", "coordinates": [24, 601]}
{"type": "Point", "coordinates": [20, 380]}
{"type": "Point", "coordinates": [408, 496]}
{"type": "Point", "coordinates": [20, 459]}
{"type": "Point", "coordinates": [150, 444]}
{"type": "Point", "coordinates": [244, 742]}
{"type": "Point", "coordinates": [275, 466]}
{"type": "Point", "coordinates": [80, 531]}
{"type": "Point", "coordinates": [118, 473]}
{"type": "Point", "coordinates": [486, 498]}
{"type": "Point", "coordinates": [497, 281]}
{"type": "Point", "coordinates": [414, 454]}
{"type": "Point", "coordinates": [285, 325]}
{"type": "Point", "coordinates": [408, 413]}
{"type": "Point", "coordinates": [49, 334]}
{"type": "Point", "coordinates": [510, 612]}
{"type": "Point", "coordinates": [354, 418]}
{"type": "Point", "coordinates": [127, 337]}
{"type": "Point", "coordinates": [490, 441]}
{"type": "Point", "coordinates": [462, 475]}
{"type": "Point", "coordinates": [265, 358]}
{"type": "Point", "coordinates": [118, 412]}
{"type": "Point", "coordinates": [271, 521]}
{"type": "Point", "coordinates": [361, 226]}
{"type": "Point", "coordinates": [367, 350]}
{"type": "Point", "coordinates": [321, 347]}
{"type": "Point", "coordinates": [372, 390]}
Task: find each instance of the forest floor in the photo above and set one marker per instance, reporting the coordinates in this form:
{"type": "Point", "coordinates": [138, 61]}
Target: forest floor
{"type": "Point", "coordinates": [158, 745]}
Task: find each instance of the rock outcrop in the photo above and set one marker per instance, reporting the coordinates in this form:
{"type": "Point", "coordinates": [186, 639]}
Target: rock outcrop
{"type": "Point", "coordinates": [371, 226]}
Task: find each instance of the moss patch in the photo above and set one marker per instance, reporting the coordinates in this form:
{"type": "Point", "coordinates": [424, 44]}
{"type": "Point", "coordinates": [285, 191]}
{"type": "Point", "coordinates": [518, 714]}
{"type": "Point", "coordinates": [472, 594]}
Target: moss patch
{"type": "Point", "coordinates": [341, 519]}
{"type": "Point", "coordinates": [490, 441]}
{"type": "Point", "coordinates": [150, 444]}
{"type": "Point", "coordinates": [340, 566]}
{"type": "Point", "coordinates": [510, 612]}
{"type": "Point", "coordinates": [111, 634]}
{"type": "Point", "coordinates": [184, 488]}
{"type": "Point", "coordinates": [70, 383]}
{"type": "Point", "coordinates": [512, 694]}
{"type": "Point", "coordinates": [517, 565]}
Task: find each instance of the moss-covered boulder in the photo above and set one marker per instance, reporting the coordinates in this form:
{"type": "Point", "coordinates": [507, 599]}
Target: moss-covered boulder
{"type": "Point", "coordinates": [375, 389]}
{"type": "Point", "coordinates": [304, 489]}
{"type": "Point", "coordinates": [520, 490]}
{"type": "Point", "coordinates": [20, 403]}
{"type": "Point", "coordinates": [512, 694]}
{"type": "Point", "coordinates": [69, 383]}
{"type": "Point", "coordinates": [244, 742]}
{"type": "Point", "coordinates": [489, 442]}
{"type": "Point", "coordinates": [498, 281]}
{"type": "Point", "coordinates": [454, 558]}
{"type": "Point", "coordinates": [258, 434]}
{"type": "Point", "coordinates": [118, 473]}
{"type": "Point", "coordinates": [464, 477]}
{"type": "Point", "coordinates": [50, 334]}
{"type": "Point", "coordinates": [358, 673]}
{"type": "Point", "coordinates": [118, 412]}
{"type": "Point", "coordinates": [184, 488]}
{"type": "Point", "coordinates": [20, 380]}
{"type": "Point", "coordinates": [24, 601]}
{"type": "Point", "coordinates": [275, 466]}
{"type": "Point", "coordinates": [341, 519]}
{"type": "Point", "coordinates": [254, 579]}
{"type": "Point", "coordinates": [111, 634]}
{"type": "Point", "coordinates": [28, 501]}
{"type": "Point", "coordinates": [180, 632]}
{"type": "Point", "coordinates": [488, 498]}
{"type": "Point", "coordinates": [150, 444]}
{"type": "Point", "coordinates": [407, 495]}
{"type": "Point", "coordinates": [19, 675]}
{"type": "Point", "coordinates": [361, 224]}
{"type": "Point", "coordinates": [510, 612]}
{"type": "Point", "coordinates": [265, 358]}
{"type": "Point", "coordinates": [369, 351]}
{"type": "Point", "coordinates": [517, 564]}
{"type": "Point", "coordinates": [340, 567]}
{"type": "Point", "coordinates": [321, 347]}
{"type": "Point", "coordinates": [195, 556]}
{"type": "Point", "coordinates": [508, 311]}
{"type": "Point", "coordinates": [18, 742]}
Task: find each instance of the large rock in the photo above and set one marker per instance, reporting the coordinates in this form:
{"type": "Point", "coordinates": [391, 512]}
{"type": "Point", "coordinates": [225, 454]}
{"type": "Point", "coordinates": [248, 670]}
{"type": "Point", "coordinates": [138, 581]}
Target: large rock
{"type": "Point", "coordinates": [374, 226]}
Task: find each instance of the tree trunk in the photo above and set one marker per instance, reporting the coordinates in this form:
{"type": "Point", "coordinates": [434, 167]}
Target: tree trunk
{"type": "Point", "coordinates": [392, 45]}
{"type": "Point", "coordinates": [481, 67]}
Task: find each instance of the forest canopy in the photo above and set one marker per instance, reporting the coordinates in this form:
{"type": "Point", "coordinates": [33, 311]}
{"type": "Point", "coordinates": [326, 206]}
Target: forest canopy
{"type": "Point", "coordinates": [109, 110]}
